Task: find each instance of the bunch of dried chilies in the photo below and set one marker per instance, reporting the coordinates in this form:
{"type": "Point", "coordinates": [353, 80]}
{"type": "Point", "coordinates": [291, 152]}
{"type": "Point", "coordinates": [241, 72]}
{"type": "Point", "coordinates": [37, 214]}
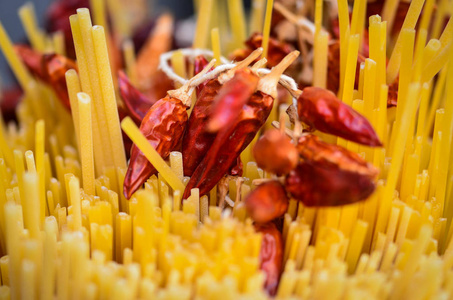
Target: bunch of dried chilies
{"type": "Point", "coordinates": [231, 109]}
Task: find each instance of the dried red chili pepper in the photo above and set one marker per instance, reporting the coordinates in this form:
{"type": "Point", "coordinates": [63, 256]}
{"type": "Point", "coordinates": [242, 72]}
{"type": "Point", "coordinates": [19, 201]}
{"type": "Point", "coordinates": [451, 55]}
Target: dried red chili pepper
{"type": "Point", "coordinates": [329, 175]}
{"type": "Point", "coordinates": [277, 50]}
{"type": "Point", "coordinates": [267, 202]}
{"type": "Point", "coordinates": [275, 153]}
{"type": "Point", "coordinates": [163, 126]}
{"type": "Point", "coordinates": [315, 185]}
{"type": "Point", "coordinates": [197, 139]}
{"type": "Point", "coordinates": [50, 68]}
{"type": "Point", "coordinates": [232, 96]}
{"type": "Point", "coordinates": [321, 109]}
{"type": "Point", "coordinates": [311, 148]}
{"type": "Point", "coordinates": [271, 255]}
{"type": "Point", "coordinates": [234, 138]}
{"type": "Point", "coordinates": [136, 103]}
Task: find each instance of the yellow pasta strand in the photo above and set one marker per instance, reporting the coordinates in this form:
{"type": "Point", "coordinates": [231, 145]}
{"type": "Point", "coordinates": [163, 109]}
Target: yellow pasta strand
{"type": "Point", "coordinates": [409, 23]}
{"type": "Point", "coordinates": [137, 137]}
{"type": "Point", "coordinates": [267, 27]}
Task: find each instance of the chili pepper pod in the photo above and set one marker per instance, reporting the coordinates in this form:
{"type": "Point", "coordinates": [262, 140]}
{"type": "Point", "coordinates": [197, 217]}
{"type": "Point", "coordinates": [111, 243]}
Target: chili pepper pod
{"type": "Point", "coordinates": [163, 126]}
{"type": "Point", "coordinates": [271, 255]}
{"type": "Point", "coordinates": [197, 140]}
{"type": "Point", "coordinates": [267, 202]}
{"type": "Point", "coordinates": [234, 138]}
{"type": "Point", "coordinates": [310, 147]}
{"type": "Point", "coordinates": [232, 96]}
{"type": "Point", "coordinates": [136, 103]}
{"type": "Point", "coordinates": [329, 175]}
{"type": "Point", "coordinates": [49, 68]}
{"type": "Point", "coordinates": [321, 109]}
{"type": "Point", "coordinates": [275, 153]}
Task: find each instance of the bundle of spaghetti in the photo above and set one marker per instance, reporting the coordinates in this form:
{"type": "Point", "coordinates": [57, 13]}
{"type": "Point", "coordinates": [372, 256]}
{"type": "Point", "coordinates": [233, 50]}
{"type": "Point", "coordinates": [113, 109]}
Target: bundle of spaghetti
{"type": "Point", "coordinates": [67, 231]}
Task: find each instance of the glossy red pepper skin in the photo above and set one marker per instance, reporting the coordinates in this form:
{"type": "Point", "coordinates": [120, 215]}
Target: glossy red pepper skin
{"type": "Point", "coordinates": [49, 68]}
{"type": "Point", "coordinates": [229, 143]}
{"type": "Point", "coordinates": [136, 103]}
{"type": "Point", "coordinates": [231, 98]}
{"type": "Point", "coordinates": [329, 175]}
{"type": "Point", "coordinates": [267, 202]}
{"type": "Point", "coordinates": [311, 148]}
{"type": "Point", "coordinates": [316, 185]}
{"type": "Point", "coordinates": [271, 255]}
{"type": "Point", "coordinates": [163, 126]}
{"type": "Point", "coordinates": [322, 110]}
{"type": "Point", "coordinates": [197, 141]}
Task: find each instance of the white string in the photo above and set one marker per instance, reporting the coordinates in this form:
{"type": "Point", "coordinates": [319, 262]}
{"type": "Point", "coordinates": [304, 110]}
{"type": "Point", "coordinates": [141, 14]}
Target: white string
{"type": "Point", "coordinates": [286, 81]}
{"type": "Point", "coordinates": [187, 52]}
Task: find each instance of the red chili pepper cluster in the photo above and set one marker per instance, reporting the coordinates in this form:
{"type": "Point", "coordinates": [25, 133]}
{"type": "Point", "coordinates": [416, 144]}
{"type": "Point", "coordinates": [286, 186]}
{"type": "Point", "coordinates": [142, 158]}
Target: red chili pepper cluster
{"type": "Point", "coordinates": [233, 138]}
{"type": "Point", "coordinates": [163, 126]}
{"type": "Point", "coordinates": [197, 139]}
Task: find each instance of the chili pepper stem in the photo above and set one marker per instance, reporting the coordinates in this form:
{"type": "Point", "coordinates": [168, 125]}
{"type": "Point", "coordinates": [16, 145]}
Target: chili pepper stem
{"type": "Point", "coordinates": [240, 65]}
{"type": "Point", "coordinates": [259, 64]}
{"type": "Point", "coordinates": [184, 93]}
{"type": "Point", "coordinates": [287, 131]}
{"type": "Point", "coordinates": [239, 182]}
{"type": "Point", "coordinates": [268, 84]}
{"type": "Point", "coordinates": [222, 187]}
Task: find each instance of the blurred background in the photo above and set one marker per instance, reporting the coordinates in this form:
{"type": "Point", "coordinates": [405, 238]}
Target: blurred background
{"type": "Point", "coordinates": [182, 9]}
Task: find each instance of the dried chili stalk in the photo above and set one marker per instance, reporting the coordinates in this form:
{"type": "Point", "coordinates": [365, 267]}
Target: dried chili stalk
{"type": "Point", "coordinates": [267, 202]}
{"type": "Point", "coordinates": [234, 138]}
{"type": "Point", "coordinates": [163, 126]}
{"type": "Point", "coordinates": [277, 50]}
{"type": "Point", "coordinates": [136, 103]}
{"type": "Point", "coordinates": [271, 255]}
{"type": "Point", "coordinates": [320, 109]}
{"type": "Point", "coordinates": [329, 175]}
{"type": "Point", "coordinates": [49, 68]}
{"type": "Point", "coordinates": [197, 140]}
{"type": "Point", "coordinates": [275, 153]}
